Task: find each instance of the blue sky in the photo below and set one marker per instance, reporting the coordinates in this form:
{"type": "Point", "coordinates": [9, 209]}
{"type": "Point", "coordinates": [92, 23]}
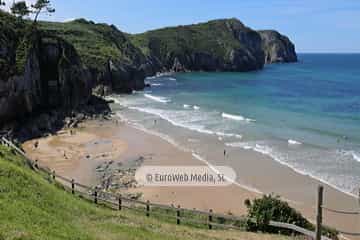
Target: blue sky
{"type": "Point", "coordinates": [313, 25]}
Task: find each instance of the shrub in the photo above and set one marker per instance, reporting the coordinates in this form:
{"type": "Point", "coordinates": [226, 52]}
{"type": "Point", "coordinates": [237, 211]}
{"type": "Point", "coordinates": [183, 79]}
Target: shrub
{"type": "Point", "coordinates": [270, 207]}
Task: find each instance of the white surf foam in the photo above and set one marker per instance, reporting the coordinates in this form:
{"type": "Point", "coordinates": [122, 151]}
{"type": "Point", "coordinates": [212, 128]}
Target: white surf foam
{"type": "Point", "coordinates": [222, 134]}
{"type": "Point", "coordinates": [267, 150]}
{"type": "Point", "coordinates": [249, 188]}
{"type": "Point", "coordinates": [194, 127]}
{"type": "Point", "coordinates": [155, 84]}
{"type": "Point", "coordinates": [293, 142]}
{"type": "Point", "coordinates": [237, 117]}
{"type": "Point", "coordinates": [353, 154]}
{"type": "Point", "coordinates": [196, 107]}
{"type": "Point", "coordinates": [162, 114]}
{"type": "Point", "coordinates": [356, 156]}
{"type": "Point", "coordinates": [157, 98]}
{"type": "Point", "coordinates": [186, 106]}
{"type": "Point", "coordinates": [172, 79]}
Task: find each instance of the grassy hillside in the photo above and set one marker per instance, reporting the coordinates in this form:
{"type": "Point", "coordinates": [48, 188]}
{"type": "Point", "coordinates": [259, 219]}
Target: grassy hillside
{"type": "Point", "coordinates": [213, 36]}
{"type": "Point", "coordinates": [33, 208]}
{"type": "Point", "coordinates": [218, 45]}
{"type": "Point", "coordinates": [96, 43]}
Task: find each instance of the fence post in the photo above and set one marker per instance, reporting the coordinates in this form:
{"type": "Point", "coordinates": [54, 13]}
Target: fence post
{"type": "Point", "coordinates": [178, 215]}
{"type": "Point", "coordinates": [36, 163]}
{"type": "Point", "coordinates": [95, 196]}
{"type": "Point", "coordinates": [210, 218]}
{"type": "Point", "coordinates": [72, 186]}
{"type": "Point", "coordinates": [120, 202]}
{"type": "Point", "coordinates": [147, 208]}
{"type": "Point", "coordinates": [319, 212]}
{"type": "Point", "coordinates": [53, 175]}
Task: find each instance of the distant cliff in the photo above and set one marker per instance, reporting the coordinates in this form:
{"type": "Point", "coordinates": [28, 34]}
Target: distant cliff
{"type": "Point", "coordinates": [218, 45]}
{"type": "Point", "coordinates": [277, 47]}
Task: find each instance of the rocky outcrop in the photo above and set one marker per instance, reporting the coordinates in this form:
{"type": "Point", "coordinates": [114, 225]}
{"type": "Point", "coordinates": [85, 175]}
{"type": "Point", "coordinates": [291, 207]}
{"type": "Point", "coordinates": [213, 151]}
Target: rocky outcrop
{"type": "Point", "coordinates": [277, 48]}
{"type": "Point", "coordinates": [48, 75]}
{"type": "Point", "coordinates": [120, 78]}
{"type": "Point", "coordinates": [220, 45]}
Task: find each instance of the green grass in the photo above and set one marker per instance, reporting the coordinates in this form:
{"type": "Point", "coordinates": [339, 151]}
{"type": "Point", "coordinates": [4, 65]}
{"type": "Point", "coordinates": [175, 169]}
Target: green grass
{"type": "Point", "coordinates": [213, 37]}
{"type": "Point", "coordinates": [31, 207]}
{"type": "Point", "coordinates": [96, 43]}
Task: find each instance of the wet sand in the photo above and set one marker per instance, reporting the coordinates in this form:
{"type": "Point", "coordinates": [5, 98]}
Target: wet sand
{"type": "Point", "coordinates": [97, 142]}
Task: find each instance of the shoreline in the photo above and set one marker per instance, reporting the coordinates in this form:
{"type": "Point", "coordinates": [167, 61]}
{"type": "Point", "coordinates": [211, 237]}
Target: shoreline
{"type": "Point", "coordinates": [159, 151]}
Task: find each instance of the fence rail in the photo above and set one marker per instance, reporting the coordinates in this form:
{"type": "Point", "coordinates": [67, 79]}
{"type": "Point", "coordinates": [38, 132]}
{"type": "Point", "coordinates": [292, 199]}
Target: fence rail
{"type": "Point", "coordinates": [119, 202]}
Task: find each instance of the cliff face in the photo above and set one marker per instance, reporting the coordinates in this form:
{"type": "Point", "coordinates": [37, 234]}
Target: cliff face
{"type": "Point", "coordinates": [220, 45]}
{"type": "Point", "coordinates": [116, 65]}
{"type": "Point", "coordinates": [277, 47]}
{"type": "Point", "coordinates": [39, 73]}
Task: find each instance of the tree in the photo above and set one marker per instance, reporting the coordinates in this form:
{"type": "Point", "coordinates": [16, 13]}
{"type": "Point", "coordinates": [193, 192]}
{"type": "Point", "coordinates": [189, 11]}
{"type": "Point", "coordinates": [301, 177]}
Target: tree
{"type": "Point", "coordinates": [42, 6]}
{"type": "Point", "coordinates": [20, 9]}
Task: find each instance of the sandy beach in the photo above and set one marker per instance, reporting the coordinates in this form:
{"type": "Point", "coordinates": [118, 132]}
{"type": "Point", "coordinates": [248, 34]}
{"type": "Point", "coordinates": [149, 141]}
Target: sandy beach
{"type": "Point", "coordinates": [79, 153]}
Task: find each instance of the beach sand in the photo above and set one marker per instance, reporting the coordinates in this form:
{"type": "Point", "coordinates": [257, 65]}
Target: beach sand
{"type": "Point", "coordinates": [96, 142]}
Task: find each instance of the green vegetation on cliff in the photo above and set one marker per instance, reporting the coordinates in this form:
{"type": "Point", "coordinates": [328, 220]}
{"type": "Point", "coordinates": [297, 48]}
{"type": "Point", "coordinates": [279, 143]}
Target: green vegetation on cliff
{"type": "Point", "coordinates": [32, 208]}
{"type": "Point", "coordinates": [217, 39]}
{"type": "Point", "coordinates": [213, 36]}
{"type": "Point", "coordinates": [96, 43]}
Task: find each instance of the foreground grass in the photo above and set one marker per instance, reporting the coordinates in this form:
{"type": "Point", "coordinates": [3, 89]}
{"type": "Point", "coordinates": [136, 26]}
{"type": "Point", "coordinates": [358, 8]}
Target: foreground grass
{"type": "Point", "coordinates": [31, 207]}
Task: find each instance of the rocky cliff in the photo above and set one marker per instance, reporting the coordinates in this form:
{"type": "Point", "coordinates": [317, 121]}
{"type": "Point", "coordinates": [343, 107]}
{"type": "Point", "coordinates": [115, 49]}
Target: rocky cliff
{"type": "Point", "coordinates": [277, 47]}
{"type": "Point", "coordinates": [38, 72]}
{"type": "Point", "coordinates": [219, 45]}
{"type": "Point", "coordinates": [115, 64]}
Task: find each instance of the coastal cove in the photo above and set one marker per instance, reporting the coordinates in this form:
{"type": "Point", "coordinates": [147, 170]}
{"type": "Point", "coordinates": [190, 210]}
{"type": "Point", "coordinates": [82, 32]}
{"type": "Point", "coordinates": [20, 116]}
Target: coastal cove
{"type": "Point", "coordinates": [162, 127]}
{"type": "Point", "coordinates": [213, 126]}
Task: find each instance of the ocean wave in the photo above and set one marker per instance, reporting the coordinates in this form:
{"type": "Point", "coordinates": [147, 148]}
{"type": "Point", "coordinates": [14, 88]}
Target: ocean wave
{"type": "Point", "coordinates": [186, 106]}
{"type": "Point", "coordinates": [196, 107]}
{"type": "Point", "coordinates": [222, 134]}
{"type": "Point", "coordinates": [162, 114]}
{"type": "Point", "coordinates": [194, 127]}
{"type": "Point", "coordinates": [157, 98]}
{"type": "Point", "coordinates": [280, 158]}
{"type": "Point", "coordinates": [172, 79]}
{"type": "Point", "coordinates": [353, 154]}
{"type": "Point", "coordinates": [237, 117]}
{"type": "Point", "coordinates": [156, 84]}
{"type": "Point", "coordinates": [293, 142]}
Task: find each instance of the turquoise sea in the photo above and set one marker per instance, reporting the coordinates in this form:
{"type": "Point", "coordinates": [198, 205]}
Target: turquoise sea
{"type": "Point", "coordinates": [305, 115]}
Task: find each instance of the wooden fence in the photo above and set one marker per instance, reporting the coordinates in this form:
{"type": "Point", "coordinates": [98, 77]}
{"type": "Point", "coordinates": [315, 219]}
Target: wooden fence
{"type": "Point", "coordinates": [321, 207]}
{"type": "Point", "coordinates": [179, 215]}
